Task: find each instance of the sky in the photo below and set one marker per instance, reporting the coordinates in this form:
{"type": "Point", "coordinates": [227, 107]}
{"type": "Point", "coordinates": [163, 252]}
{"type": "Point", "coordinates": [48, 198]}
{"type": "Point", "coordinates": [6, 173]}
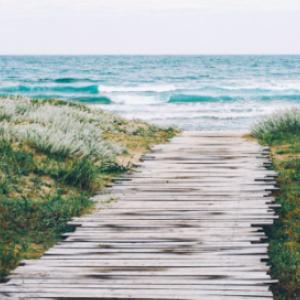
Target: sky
{"type": "Point", "coordinates": [149, 27]}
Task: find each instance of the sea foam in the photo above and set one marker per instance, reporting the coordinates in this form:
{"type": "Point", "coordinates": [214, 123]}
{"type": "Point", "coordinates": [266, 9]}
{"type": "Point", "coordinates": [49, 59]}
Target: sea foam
{"type": "Point", "coordinates": [192, 92]}
{"type": "Point", "coordinates": [141, 88]}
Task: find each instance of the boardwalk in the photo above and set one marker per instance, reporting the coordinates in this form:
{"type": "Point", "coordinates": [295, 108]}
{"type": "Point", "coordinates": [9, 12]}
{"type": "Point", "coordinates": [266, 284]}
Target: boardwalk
{"type": "Point", "coordinates": [186, 225]}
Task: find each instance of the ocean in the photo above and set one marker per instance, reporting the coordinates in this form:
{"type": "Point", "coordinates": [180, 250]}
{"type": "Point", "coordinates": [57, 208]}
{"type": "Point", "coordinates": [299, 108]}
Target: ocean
{"type": "Point", "coordinates": [190, 92]}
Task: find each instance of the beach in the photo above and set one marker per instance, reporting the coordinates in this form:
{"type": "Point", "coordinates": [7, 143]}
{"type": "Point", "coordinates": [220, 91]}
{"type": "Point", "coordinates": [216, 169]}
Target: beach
{"type": "Point", "coordinates": [67, 133]}
{"type": "Point", "coordinates": [149, 150]}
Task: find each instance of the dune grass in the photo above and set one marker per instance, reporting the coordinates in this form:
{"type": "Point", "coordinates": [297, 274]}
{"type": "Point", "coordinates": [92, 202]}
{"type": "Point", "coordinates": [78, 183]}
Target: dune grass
{"type": "Point", "coordinates": [282, 133]}
{"type": "Point", "coordinates": [54, 156]}
{"type": "Point", "coordinates": [279, 127]}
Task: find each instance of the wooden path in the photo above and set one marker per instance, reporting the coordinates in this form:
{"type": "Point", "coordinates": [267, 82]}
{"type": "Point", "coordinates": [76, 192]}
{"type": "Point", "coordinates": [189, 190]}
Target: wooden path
{"type": "Point", "coordinates": [186, 225]}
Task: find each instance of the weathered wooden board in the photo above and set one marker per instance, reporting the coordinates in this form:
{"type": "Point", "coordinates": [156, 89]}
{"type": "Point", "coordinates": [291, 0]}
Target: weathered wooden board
{"type": "Point", "coordinates": [186, 224]}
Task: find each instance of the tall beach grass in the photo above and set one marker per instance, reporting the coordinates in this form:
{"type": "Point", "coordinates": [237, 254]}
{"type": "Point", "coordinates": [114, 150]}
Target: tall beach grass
{"type": "Point", "coordinates": [54, 156]}
{"type": "Point", "coordinates": [278, 127]}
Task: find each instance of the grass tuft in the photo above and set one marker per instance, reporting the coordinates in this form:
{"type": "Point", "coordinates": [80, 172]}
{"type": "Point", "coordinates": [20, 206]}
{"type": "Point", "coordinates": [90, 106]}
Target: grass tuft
{"type": "Point", "coordinates": [281, 126]}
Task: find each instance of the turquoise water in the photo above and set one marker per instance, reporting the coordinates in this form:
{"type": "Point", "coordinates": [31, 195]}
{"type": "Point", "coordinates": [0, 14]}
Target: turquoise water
{"type": "Point", "coordinates": [192, 92]}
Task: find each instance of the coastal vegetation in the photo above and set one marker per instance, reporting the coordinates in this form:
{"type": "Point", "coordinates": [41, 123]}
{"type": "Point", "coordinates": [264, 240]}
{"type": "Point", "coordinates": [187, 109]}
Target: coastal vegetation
{"type": "Point", "coordinates": [281, 132]}
{"type": "Point", "coordinates": [54, 156]}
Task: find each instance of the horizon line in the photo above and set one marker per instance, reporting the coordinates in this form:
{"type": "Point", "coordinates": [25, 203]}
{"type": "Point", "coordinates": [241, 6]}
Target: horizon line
{"type": "Point", "coordinates": [153, 54]}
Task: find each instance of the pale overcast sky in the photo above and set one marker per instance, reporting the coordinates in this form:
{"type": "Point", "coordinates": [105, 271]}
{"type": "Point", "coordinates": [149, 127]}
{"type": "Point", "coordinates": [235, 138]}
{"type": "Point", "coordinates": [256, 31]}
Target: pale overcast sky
{"type": "Point", "coordinates": [149, 26]}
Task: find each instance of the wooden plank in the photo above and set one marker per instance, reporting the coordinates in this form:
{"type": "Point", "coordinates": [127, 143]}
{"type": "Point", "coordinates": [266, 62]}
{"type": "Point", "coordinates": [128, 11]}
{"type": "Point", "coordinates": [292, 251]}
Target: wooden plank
{"type": "Point", "coordinates": [134, 295]}
{"type": "Point", "coordinates": [184, 290]}
{"type": "Point", "coordinates": [214, 282]}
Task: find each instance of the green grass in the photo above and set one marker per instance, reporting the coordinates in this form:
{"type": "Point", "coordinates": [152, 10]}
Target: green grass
{"type": "Point", "coordinates": [280, 127]}
{"type": "Point", "coordinates": [49, 168]}
{"type": "Point", "coordinates": [282, 133]}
